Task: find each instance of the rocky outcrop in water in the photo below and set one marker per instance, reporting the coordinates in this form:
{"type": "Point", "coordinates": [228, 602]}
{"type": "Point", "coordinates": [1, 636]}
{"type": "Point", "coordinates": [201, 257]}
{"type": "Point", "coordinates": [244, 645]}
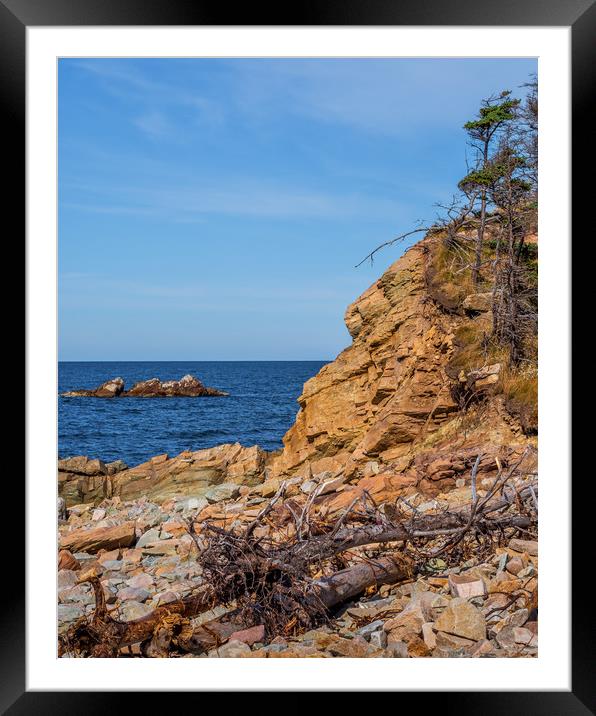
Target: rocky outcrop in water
{"type": "Point", "coordinates": [186, 387]}
{"type": "Point", "coordinates": [110, 389]}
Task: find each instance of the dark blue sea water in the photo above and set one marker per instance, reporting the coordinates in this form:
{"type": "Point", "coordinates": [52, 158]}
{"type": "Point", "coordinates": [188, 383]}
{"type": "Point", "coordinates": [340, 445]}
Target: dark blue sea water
{"type": "Point", "coordinates": [259, 410]}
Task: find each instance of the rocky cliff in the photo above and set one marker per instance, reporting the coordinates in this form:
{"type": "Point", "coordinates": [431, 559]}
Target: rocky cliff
{"type": "Point", "coordinates": [398, 403]}
{"type": "Point", "coordinates": [392, 400]}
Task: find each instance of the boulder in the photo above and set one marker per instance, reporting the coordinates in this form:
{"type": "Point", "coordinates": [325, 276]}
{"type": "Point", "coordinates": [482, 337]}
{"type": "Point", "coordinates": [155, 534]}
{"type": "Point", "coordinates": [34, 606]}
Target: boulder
{"type": "Point", "coordinates": [478, 302]}
{"type": "Point", "coordinates": [93, 540]}
{"type": "Point", "coordinates": [224, 491]}
{"type": "Point", "coordinates": [523, 545]}
{"type": "Point", "coordinates": [186, 387]}
{"type": "Point", "coordinates": [466, 586]}
{"type": "Point", "coordinates": [66, 560]}
{"type": "Point", "coordinates": [462, 619]}
{"type": "Point", "coordinates": [249, 636]}
{"type": "Point", "coordinates": [110, 389]}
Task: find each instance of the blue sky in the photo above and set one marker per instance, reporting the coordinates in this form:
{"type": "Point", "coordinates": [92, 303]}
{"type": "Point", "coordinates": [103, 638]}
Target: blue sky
{"type": "Point", "coordinates": [215, 209]}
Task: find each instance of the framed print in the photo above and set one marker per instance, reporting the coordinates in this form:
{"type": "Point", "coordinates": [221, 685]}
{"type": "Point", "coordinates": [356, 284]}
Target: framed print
{"type": "Point", "coordinates": [293, 353]}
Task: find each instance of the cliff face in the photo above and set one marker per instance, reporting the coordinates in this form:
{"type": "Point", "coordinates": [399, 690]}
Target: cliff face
{"type": "Point", "coordinates": [388, 388]}
{"type": "Point", "coordinates": [385, 415]}
{"type": "Point", "coordinates": [388, 398]}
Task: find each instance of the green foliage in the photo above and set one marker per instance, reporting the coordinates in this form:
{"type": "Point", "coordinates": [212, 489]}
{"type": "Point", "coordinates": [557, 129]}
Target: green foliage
{"type": "Point", "coordinates": [485, 177]}
{"type": "Point", "coordinates": [492, 115]}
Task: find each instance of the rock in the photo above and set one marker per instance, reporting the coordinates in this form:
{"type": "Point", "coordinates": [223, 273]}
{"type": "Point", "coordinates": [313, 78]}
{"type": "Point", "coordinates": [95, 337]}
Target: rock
{"type": "Point", "coordinates": [131, 610]}
{"type": "Point", "coordinates": [511, 637]}
{"type": "Point", "coordinates": [483, 648]}
{"type": "Point", "coordinates": [397, 650]}
{"type": "Point", "coordinates": [79, 594]}
{"type": "Point", "coordinates": [225, 491]}
{"type": "Point", "coordinates": [450, 642]}
{"type": "Point", "coordinates": [131, 556]}
{"type": "Point", "coordinates": [429, 635]}
{"type": "Point", "coordinates": [308, 486]}
{"type": "Point", "coordinates": [427, 605]}
{"type": "Point", "coordinates": [195, 504]}
{"type": "Point", "coordinates": [98, 515]}
{"type": "Point", "coordinates": [116, 466]}
{"type": "Point", "coordinates": [378, 639]}
{"type": "Point", "coordinates": [249, 636]}
{"type": "Point", "coordinates": [187, 475]}
{"type": "Point", "coordinates": [112, 565]}
{"type": "Point", "coordinates": [188, 387]}
{"type": "Point", "coordinates": [483, 377]}
{"type": "Point", "coordinates": [367, 630]}
{"type": "Point", "coordinates": [138, 594]}
{"type": "Point", "coordinates": [93, 540]}
{"type": "Point", "coordinates": [516, 619]}
{"type": "Point", "coordinates": [81, 480]}
{"type": "Point", "coordinates": [148, 537]}
{"type": "Point", "coordinates": [506, 586]}
{"type": "Point", "coordinates": [110, 389]}
{"type": "Point", "coordinates": [404, 625]}
{"type": "Point", "coordinates": [141, 580]}
{"type": "Point", "coordinates": [161, 548]}
{"type": "Point", "coordinates": [466, 586]}
{"type": "Point", "coordinates": [67, 578]}
{"type": "Point", "coordinates": [331, 485]}
{"type": "Point", "coordinates": [478, 302]}
{"type": "Point", "coordinates": [356, 648]}
{"type": "Point", "coordinates": [66, 560]}
{"type": "Point", "coordinates": [231, 650]}
{"type": "Point", "coordinates": [70, 612]}
{"type": "Point", "coordinates": [270, 487]}
{"type": "Point", "coordinates": [166, 597]}
{"type": "Point", "coordinates": [112, 555]}
{"type": "Point", "coordinates": [462, 619]}
{"type": "Point", "coordinates": [521, 545]}
{"type": "Point", "coordinates": [515, 565]}
{"type": "Point", "coordinates": [417, 647]}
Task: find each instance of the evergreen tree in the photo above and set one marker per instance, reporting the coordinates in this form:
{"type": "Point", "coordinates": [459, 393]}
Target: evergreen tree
{"type": "Point", "coordinates": [493, 115]}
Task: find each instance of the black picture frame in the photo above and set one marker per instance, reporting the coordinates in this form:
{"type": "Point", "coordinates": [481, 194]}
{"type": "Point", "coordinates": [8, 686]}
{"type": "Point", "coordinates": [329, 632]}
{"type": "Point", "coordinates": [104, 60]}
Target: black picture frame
{"type": "Point", "coordinates": [17, 15]}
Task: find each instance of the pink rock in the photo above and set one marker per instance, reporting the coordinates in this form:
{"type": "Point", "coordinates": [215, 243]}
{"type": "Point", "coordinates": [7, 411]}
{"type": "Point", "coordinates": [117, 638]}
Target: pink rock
{"type": "Point", "coordinates": [466, 586]}
{"type": "Point", "coordinates": [141, 580]}
{"type": "Point", "coordinates": [249, 636]}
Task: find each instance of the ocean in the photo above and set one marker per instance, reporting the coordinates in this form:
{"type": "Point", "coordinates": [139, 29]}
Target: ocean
{"type": "Point", "coordinates": [260, 409]}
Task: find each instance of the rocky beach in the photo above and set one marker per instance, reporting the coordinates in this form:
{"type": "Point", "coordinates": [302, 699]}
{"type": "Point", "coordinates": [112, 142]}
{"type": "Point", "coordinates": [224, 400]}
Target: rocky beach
{"type": "Point", "coordinates": [409, 479]}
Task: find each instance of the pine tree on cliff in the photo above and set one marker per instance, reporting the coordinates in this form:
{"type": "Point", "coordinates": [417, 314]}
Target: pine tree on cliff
{"type": "Point", "coordinates": [513, 307]}
{"type": "Point", "coordinates": [494, 113]}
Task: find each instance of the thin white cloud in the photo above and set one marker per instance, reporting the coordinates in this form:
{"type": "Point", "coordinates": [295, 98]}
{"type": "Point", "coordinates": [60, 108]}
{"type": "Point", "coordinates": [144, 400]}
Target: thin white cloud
{"type": "Point", "coordinates": [246, 198]}
{"type": "Point", "coordinates": [154, 124]}
{"type": "Point", "coordinates": [129, 82]}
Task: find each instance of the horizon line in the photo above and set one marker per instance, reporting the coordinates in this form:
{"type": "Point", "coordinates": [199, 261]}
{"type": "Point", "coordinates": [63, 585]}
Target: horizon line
{"type": "Point", "coordinates": [240, 360]}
